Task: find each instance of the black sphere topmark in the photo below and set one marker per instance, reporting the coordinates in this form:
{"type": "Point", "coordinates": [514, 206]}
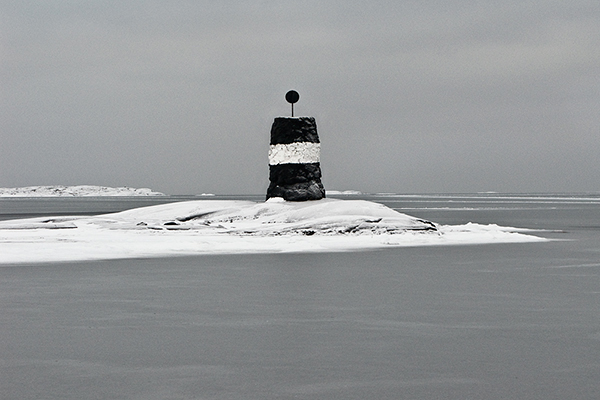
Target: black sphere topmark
{"type": "Point", "coordinates": [292, 96]}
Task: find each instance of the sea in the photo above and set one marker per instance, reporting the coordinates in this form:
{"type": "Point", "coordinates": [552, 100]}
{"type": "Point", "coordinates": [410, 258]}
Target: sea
{"type": "Point", "coordinates": [493, 321]}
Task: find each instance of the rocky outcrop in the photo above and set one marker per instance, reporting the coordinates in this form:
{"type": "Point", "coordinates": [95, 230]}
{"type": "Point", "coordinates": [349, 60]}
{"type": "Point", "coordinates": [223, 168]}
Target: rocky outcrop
{"type": "Point", "coordinates": [294, 160]}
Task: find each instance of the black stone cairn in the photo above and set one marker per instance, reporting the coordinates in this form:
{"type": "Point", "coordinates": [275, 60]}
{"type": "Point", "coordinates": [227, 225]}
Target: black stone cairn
{"type": "Point", "coordinates": [295, 181]}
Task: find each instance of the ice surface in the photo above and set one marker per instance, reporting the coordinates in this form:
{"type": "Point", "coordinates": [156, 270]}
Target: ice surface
{"type": "Point", "coordinates": [232, 226]}
{"type": "Point", "coordinates": [81, 190]}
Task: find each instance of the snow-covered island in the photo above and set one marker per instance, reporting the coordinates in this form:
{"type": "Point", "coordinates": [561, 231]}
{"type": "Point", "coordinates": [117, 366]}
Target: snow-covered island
{"type": "Point", "coordinates": [343, 192]}
{"type": "Point", "coordinates": [75, 191]}
{"type": "Point", "coordinates": [232, 226]}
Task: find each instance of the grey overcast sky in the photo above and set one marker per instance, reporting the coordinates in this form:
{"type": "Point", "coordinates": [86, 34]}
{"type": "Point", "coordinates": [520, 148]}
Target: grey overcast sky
{"type": "Point", "coordinates": [410, 96]}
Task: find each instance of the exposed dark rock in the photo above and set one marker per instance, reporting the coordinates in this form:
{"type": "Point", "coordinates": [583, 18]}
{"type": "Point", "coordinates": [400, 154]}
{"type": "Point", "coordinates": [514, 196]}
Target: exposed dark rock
{"type": "Point", "coordinates": [292, 130]}
{"type": "Point", "coordinates": [298, 191]}
{"type": "Point", "coordinates": [283, 174]}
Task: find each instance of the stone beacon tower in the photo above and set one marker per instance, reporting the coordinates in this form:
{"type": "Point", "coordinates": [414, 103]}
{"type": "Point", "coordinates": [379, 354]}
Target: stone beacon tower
{"type": "Point", "coordinates": [294, 158]}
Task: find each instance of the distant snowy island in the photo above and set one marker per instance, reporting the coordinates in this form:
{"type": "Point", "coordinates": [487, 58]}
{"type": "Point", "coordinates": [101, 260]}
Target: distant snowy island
{"type": "Point", "coordinates": [75, 191]}
{"type": "Point", "coordinates": [343, 192]}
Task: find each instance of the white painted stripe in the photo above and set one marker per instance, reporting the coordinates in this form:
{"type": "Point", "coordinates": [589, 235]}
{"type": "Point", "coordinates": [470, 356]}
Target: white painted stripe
{"type": "Point", "coordinates": [294, 153]}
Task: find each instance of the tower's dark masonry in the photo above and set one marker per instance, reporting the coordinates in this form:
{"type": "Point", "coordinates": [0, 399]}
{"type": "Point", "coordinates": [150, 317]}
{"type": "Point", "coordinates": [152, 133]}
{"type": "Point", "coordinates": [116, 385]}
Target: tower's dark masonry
{"type": "Point", "coordinates": [294, 160]}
